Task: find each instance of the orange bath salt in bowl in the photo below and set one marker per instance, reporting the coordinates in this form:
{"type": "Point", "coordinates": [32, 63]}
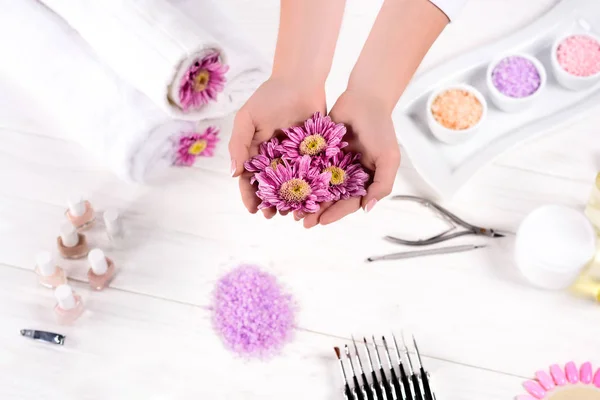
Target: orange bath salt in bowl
{"type": "Point", "coordinates": [457, 109]}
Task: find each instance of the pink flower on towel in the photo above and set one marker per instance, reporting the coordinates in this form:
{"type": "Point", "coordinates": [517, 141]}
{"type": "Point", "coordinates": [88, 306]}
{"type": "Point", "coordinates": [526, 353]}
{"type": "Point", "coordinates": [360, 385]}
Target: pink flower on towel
{"type": "Point", "coordinates": [202, 82]}
{"type": "Point", "coordinates": [192, 145]}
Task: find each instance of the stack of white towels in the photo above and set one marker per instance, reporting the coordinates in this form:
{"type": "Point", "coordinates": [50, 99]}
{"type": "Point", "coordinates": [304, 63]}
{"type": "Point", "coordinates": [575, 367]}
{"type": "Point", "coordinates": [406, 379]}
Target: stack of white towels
{"type": "Point", "coordinates": [110, 72]}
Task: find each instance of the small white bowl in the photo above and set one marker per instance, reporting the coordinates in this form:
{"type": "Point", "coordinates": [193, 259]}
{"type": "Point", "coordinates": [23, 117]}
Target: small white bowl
{"type": "Point", "coordinates": [513, 104]}
{"type": "Point", "coordinates": [553, 245]}
{"type": "Point", "coordinates": [454, 136]}
{"type": "Point", "coordinates": [566, 79]}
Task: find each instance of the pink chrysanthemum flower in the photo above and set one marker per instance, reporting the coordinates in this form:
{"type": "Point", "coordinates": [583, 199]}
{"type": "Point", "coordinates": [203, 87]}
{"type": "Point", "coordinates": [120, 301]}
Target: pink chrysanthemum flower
{"type": "Point", "coordinates": [202, 82]}
{"type": "Point", "coordinates": [192, 145]}
{"type": "Point", "coordinates": [293, 187]}
{"type": "Point", "coordinates": [348, 177]}
{"type": "Point", "coordinates": [269, 155]}
{"type": "Point", "coordinates": [319, 136]}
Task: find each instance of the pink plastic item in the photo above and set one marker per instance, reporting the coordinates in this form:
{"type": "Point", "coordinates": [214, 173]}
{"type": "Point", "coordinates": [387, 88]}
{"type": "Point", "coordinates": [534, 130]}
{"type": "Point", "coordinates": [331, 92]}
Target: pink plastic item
{"type": "Point", "coordinates": [535, 389]}
{"type": "Point", "coordinates": [545, 380]}
{"type": "Point", "coordinates": [585, 373]}
{"type": "Point", "coordinates": [572, 373]}
{"type": "Point", "coordinates": [558, 375]}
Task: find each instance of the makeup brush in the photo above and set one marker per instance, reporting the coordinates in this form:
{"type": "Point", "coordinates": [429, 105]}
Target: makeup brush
{"type": "Point", "coordinates": [395, 380]}
{"type": "Point", "coordinates": [384, 382]}
{"type": "Point", "coordinates": [413, 376]}
{"type": "Point", "coordinates": [403, 377]}
{"type": "Point", "coordinates": [357, 390]}
{"type": "Point", "coordinates": [347, 391]}
{"type": "Point", "coordinates": [376, 387]}
{"type": "Point", "coordinates": [366, 386]}
{"type": "Point", "coordinates": [424, 377]}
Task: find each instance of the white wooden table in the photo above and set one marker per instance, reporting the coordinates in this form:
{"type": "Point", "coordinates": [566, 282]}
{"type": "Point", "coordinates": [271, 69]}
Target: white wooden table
{"type": "Point", "coordinates": [481, 329]}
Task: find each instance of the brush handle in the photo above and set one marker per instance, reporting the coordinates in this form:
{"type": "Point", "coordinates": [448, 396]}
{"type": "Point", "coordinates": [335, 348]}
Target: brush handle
{"type": "Point", "coordinates": [348, 393]}
{"type": "Point", "coordinates": [426, 387]}
{"type": "Point", "coordinates": [417, 387]}
{"type": "Point", "coordinates": [367, 387]}
{"type": "Point", "coordinates": [376, 386]}
{"type": "Point", "coordinates": [386, 386]}
{"type": "Point", "coordinates": [357, 389]}
{"type": "Point", "coordinates": [405, 383]}
{"type": "Point", "coordinates": [396, 384]}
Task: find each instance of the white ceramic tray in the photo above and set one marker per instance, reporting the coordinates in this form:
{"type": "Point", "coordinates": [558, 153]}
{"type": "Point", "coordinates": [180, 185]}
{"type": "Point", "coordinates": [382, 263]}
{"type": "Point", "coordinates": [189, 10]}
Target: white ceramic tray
{"type": "Point", "coordinates": [447, 167]}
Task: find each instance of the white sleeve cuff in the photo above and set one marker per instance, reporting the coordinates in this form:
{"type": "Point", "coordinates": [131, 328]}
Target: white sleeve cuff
{"type": "Point", "coordinates": [450, 7]}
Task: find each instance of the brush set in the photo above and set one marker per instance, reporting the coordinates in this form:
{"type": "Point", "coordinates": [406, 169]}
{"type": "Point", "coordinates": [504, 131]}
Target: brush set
{"type": "Point", "coordinates": [397, 381]}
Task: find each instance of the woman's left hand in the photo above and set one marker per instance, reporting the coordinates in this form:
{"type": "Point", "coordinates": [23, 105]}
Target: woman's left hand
{"type": "Point", "coordinates": [371, 133]}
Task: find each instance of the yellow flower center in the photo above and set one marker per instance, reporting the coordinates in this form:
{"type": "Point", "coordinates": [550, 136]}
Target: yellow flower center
{"type": "Point", "coordinates": [201, 80]}
{"type": "Point", "coordinates": [197, 147]}
{"type": "Point", "coordinates": [338, 175]}
{"type": "Point", "coordinates": [275, 163]}
{"type": "Point", "coordinates": [313, 145]}
{"type": "Point", "coordinates": [295, 190]}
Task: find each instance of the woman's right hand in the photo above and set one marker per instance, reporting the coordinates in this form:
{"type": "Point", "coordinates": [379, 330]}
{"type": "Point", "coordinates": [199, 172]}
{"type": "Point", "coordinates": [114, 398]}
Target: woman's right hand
{"type": "Point", "coordinates": [277, 104]}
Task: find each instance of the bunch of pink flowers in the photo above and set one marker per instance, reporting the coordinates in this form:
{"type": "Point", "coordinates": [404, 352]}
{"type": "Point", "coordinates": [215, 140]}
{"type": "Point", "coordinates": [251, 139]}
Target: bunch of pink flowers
{"type": "Point", "coordinates": [308, 167]}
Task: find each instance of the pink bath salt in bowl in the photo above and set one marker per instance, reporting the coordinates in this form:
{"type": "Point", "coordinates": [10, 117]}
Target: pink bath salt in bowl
{"type": "Point", "coordinates": [579, 55]}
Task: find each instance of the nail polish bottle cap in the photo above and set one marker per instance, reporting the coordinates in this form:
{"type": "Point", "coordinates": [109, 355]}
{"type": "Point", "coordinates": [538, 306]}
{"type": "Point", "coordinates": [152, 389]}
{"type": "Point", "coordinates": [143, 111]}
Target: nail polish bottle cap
{"type": "Point", "coordinates": [97, 261]}
{"type": "Point", "coordinates": [65, 297]}
{"type": "Point", "coordinates": [45, 264]}
{"type": "Point", "coordinates": [76, 205]}
{"type": "Point", "coordinates": [69, 235]}
{"type": "Point", "coordinates": [112, 221]}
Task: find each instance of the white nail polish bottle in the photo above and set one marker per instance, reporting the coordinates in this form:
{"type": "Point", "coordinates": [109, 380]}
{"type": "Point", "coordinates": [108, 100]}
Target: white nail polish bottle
{"type": "Point", "coordinates": [69, 306]}
{"type": "Point", "coordinates": [49, 274]}
{"type": "Point", "coordinates": [113, 224]}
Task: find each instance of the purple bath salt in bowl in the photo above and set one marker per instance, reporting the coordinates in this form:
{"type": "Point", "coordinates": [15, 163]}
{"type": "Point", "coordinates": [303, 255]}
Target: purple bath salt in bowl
{"type": "Point", "coordinates": [252, 313]}
{"type": "Point", "coordinates": [516, 76]}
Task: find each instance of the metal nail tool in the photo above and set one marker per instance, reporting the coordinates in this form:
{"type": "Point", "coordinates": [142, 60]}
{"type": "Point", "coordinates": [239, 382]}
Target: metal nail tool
{"type": "Point", "coordinates": [409, 385]}
{"type": "Point", "coordinates": [452, 219]}
{"type": "Point", "coordinates": [42, 336]}
{"type": "Point", "coordinates": [427, 252]}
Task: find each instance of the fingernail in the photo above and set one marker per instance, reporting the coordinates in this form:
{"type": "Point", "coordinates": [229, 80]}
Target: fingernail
{"type": "Point", "coordinates": [572, 373]}
{"type": "Point", "coordinates": [370, 205]}
{"type": "Point", "coordinates": [558, 375]}
{"type": "Point", "coordinates": [301, 214]}
{"type": "Point", "coordinates": [545, 380]}
{"type": "Point", "coordinates": [585, 373]}
{"type": "Point", "coordinates": [597, 378]}
{"type": "Point", "coordinates": [233, 167]}
{"type": "Point", "coordinates": [534, 389]}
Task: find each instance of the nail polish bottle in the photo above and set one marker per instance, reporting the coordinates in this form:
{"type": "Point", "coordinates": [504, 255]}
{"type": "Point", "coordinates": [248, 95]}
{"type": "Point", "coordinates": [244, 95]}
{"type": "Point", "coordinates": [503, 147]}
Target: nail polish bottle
{"type": "Point", "coordinates": [113, 225]}
{"type": "Point", "coordinates": [71, 244]}
{"type": "Point", "coordinates": [69, 305]}
{"type": "Point", "coordinates": [101, 271]}
{"type": "Point", "coordinates": [49, 274]}
{"type": "Point", "coordinates": [80, 212]}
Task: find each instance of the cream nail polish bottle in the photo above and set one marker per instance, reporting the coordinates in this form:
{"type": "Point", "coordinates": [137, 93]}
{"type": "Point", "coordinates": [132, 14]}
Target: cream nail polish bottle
{"type": "Point", "coordinates": [71, 244]}
{"type": "Point", "coordinates": [101, 271]}
{"type": "Point", "coordinates": [69, 305]}
{"type": "Point", "coordinates": [80, 212]}
{"type": "Point", "coordinates": [49, 274]}
{"type": "Point", "coordinates": [114, 227]}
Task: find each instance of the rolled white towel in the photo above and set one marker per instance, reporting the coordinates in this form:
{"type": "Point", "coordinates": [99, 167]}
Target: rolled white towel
{"type": "Point", "coordinates": [182, 55]}
{"type": "Point", "coordinates": [43, 56]}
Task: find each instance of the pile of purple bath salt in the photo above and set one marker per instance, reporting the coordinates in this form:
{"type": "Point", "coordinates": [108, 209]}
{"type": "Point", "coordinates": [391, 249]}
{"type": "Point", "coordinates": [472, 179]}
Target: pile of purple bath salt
{"type": "Point", "coordinates": [516, 77]}
{"type": "Point", "coordinates": [252, 314]}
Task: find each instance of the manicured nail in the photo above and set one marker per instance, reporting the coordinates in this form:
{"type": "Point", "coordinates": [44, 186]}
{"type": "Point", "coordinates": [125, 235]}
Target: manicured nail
{"type": "Point", "coordinates": [545, 380]}
{"type": "Point", "coordinates": [597, 378]}
{"type": "Point", "coordinates": [534, 389]}
{"type": "Point", "coordinates": [370, 205]}
{"type": "Point", "coordinates": [572, 373]}
{"type": "Point", "coordinates": [558, 375]}
{"type": "Point", "coordinates": [233, 167]}
{"type": "Point", "coordinates": [301, 214]}
{"type": "Point", "coordinates": [585, 373]}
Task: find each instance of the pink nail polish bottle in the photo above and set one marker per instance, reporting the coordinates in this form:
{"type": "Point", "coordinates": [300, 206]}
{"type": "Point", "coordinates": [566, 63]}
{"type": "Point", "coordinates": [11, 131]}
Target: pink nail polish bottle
{"type": "Point", "coordinates": [71, 244]}
{"type": "Point", "coordinates": [49, 274]}
{"type": "Point", "coordinates": [69, 306]}
{"type": "Point", "coordinates": [80, 212]}
{"type": "Point", "coordinates": [101, 271]}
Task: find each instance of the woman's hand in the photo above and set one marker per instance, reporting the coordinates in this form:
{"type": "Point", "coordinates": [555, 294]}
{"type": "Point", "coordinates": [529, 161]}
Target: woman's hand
{"type": "Point", "coordinates": [278, 104]}
{"type": "Point", "coordinates": [371, 133]}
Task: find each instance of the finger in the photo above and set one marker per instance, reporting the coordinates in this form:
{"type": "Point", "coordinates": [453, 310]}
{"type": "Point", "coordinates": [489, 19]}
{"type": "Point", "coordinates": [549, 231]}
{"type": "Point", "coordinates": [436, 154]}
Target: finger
{"type": "Point", "coordinates": [386, 168]}
{"type": "Point", "coordinates": [298, 215]}
{"type": "Point", "coordinates": [284, 213]}
{"type": "Point", "coordinates": [311, 220]}
{"type": "Point", "coordinates": [248, 192]}
{"type": "Point", "coordinates": [269, 212]}
{"type": "Point", "coordinates": [240, 142]}
{"type": "Point", "coordinates": [339, 210]}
